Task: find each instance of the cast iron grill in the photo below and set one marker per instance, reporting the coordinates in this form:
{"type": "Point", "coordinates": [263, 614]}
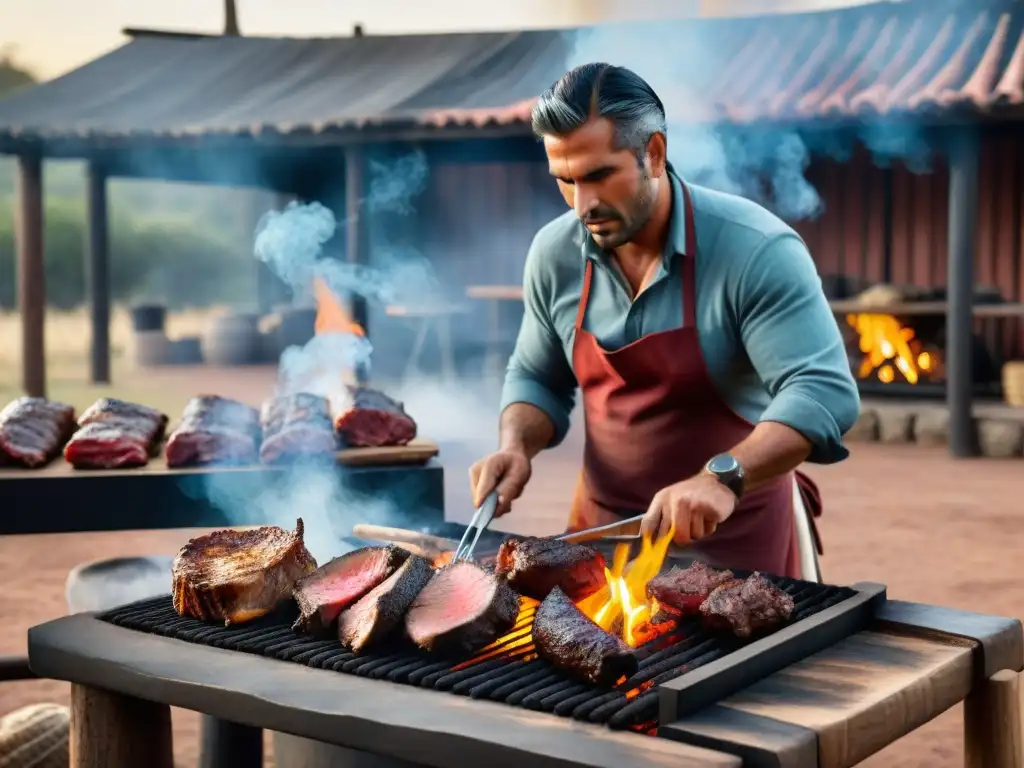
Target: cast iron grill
{"type": "Point", "coordinates": [509, 673]}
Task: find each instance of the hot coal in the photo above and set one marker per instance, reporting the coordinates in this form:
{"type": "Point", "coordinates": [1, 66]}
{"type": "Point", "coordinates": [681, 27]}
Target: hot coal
{"type": "Point", "coordinates": [462, 609]}
{"type": "Point", "coordinates": [376, 615]}
{"type": "Point", "coordinates": [237, 576]}
{"type": "Point", "coordinates": [371, 418]}
{"type": "Point", "coordinates": [336, 585]}
{"type": "Point", "coordinates": [33, 430]}
{"type": "Point", "coordinates": [296, 427]}
{"type": "Point", "coordinates": [682, 590]}
{"type": "Point", "coordinates": [114, 433]}
{"type": "Point", "coordinates": [567, 638]}
{"type": "Point", "coordinates": [215, 430]}
{"type": "Point", "coordinates": [747, 607]}
{"type": "Point", "coordinates": [534, 567]}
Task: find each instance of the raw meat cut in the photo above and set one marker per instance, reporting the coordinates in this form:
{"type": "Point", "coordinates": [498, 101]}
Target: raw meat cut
{"type": "Point", "coordinates": [376, 614]}
{"type": "Point", "coordinates": [215, 430]}
{"type": "Point", "coordinates": [237, 576]}
{"type": "Point", "coordinates": [368, 417]}
{"type": "Point", "coordinates": [462, 609]}
{"type": "Point", "coordinates": [682, 590]}
{"type": "Point", "coordinates": [339, 583]}
{"type": "Point", "coordinates": [297, 427]}
{"type": "Point", "coordinates": [116, 434]}
{"type": "Point", "coordinates": [568, 639]}
{"type": "Point", "coordinates": [533, 567]}
{"type": "Point", "coordinates": [747, 607]}
{"type": "Point", "coordinates": [33, 431]}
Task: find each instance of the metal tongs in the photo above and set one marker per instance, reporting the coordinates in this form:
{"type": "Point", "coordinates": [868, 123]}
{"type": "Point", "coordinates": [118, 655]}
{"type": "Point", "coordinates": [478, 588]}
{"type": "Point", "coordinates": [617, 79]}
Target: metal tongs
{"type": "Point", "coordinates": [481, 520]}
{"type": "Point", "coordinates": [623, 530]}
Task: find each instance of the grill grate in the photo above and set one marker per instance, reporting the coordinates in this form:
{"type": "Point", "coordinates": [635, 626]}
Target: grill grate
{"type": "Point", "coordinates": [517, 677]}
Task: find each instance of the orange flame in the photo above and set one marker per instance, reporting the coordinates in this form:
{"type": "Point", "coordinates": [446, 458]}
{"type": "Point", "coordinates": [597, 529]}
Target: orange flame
{"type": "Point", "coordinates": [888, 347]}
{"type": "Point", "coordinates": [331, 314]}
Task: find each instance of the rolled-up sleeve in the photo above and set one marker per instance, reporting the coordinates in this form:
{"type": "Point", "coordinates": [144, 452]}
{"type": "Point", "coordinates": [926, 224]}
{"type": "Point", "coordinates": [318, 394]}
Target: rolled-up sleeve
{"type": "Point", "coordinates": [794, 344]}
{"type": "Point", "coordinates": [538, 372]}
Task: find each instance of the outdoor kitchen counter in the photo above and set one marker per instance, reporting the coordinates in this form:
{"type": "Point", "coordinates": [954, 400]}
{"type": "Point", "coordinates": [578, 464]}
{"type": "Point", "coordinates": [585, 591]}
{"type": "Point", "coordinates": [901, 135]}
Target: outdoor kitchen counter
{"type": "Point", "coordinates": [832, 709]}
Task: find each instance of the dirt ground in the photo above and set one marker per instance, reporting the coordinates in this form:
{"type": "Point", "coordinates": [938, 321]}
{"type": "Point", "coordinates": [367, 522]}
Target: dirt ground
{"type": "Point", "coordinates": [933, 529]}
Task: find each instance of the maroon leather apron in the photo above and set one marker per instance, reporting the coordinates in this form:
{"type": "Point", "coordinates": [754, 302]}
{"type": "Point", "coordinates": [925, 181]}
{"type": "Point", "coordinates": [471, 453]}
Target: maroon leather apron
{"type": "Point", "coordinates": [653, 418]}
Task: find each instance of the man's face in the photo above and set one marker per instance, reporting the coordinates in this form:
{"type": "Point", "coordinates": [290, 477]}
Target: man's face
{"type": "Point", "coordinates": [611, 192]}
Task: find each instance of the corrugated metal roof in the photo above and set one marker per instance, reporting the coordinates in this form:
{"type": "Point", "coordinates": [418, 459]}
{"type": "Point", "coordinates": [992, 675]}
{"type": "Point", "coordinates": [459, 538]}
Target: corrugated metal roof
{"type": "Point", "coordinates": [925, 56]}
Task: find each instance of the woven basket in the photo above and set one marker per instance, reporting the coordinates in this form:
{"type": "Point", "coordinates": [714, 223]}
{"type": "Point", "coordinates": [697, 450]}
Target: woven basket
{"type": "Point", "coordinates": [1013, 383]}
{"type": "Point", "coordinates": [35, 737]}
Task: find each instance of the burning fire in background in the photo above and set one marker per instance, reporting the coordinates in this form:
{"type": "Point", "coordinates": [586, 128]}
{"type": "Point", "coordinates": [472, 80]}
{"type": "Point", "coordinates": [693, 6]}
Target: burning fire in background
{"type": "Point", "coordinates": [890, 348]}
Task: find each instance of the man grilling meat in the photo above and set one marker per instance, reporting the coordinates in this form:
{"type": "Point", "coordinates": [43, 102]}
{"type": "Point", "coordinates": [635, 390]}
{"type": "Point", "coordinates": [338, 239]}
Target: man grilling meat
{"type": "Point", "coordinates": [694, 324]}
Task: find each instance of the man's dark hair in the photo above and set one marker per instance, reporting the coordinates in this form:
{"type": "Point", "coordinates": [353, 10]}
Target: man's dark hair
{"type": "Point", "coordinates": [602, 90]}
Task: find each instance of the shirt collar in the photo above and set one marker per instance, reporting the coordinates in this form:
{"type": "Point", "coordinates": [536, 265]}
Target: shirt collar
{"type": "Point", "coordinates": [676, 242]}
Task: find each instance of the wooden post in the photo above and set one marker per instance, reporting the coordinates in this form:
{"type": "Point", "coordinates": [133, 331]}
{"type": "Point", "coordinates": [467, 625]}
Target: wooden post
{"type": "Point", "coordinates": [963, 215]}
{"type": "Point", "coordinates": [357, 240]}
{"type": "Point", "coordinates": [992, 723]}
{"type": "Point", "coordinates": [109, 729]}
{"type": "Point", "coordinates": [31, 274]}
{"type": "Point", "coordinates": [97, 272]}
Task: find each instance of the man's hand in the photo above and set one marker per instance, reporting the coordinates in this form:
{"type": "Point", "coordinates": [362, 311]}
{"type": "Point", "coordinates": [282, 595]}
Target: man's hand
{"type": "Point", "coordinates": [694, 508]}
{"type": "Point", "coordinates": [508, 471]}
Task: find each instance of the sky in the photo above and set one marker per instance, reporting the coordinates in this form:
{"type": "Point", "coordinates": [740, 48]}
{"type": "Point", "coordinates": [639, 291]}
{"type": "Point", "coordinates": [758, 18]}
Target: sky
{"type": "Point", "coordinates": [53, 36]}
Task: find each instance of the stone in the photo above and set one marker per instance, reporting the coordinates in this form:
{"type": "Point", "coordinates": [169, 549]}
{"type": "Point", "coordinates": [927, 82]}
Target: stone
{"type": "Point", "coordinates": [931, 426]}
{"type": "Point", "coordinates": [865, 429]}
{"type": "Point", "coordinates": [895, 425]}
{"type": "Point", "coordinates": [1000, 438]}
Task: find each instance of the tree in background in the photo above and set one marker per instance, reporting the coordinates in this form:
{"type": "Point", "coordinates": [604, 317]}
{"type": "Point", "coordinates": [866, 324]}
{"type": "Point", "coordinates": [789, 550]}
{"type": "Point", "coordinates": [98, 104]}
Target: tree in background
{"type": "Point", "coordinates": [13, 75]}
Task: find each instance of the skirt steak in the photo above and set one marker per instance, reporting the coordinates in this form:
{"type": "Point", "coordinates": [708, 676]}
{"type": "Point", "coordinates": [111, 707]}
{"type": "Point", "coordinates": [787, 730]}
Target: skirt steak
{"type": "Point", "coordinates": [371, 418]}
{"type": "Point", "coordinates": [215, 430]}
{"type": "Point", "coordinates": [336, 585]}
{"type": "Point", "coordinates": [33, 430]}
{"type": "Point", "coordinates": [568, 639]}
{"type": "Point", "coordinates": [534, 567]}
{"type": "Point", "coordinates": [749, 607]}
{"type": "Point", "coordinates": [462, 609]}
{"type": "Point", "coordinates": [375, 615]}
{"type": "Point", "coordinates": [237, 576]}
{"type": "Point", "coordinates": [115, 434]}
{"type": "Point", "coordinates": [682, 590]}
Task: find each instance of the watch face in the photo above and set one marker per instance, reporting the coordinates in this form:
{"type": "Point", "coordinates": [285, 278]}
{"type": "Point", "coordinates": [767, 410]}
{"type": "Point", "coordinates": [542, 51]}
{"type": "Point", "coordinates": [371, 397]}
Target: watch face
{"type": "Point", "coordinates": [723, 464]}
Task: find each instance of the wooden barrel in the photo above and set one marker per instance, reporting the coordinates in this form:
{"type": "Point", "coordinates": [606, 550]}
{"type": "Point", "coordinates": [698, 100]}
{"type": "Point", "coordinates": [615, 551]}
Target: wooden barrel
{"type": "Point", "coordinates": [152, 348]}
{"type": "Point", "coordinates": [188, 350]}
{"type": "Point", "coordinates": [148, 317]}
{"type": "Point", "coordinates": [233, 340]}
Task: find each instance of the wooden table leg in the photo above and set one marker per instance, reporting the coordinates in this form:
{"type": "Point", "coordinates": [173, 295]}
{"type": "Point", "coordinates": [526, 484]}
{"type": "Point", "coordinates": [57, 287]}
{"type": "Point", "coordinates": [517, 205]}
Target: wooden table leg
{"type": "Point", "coordinates": [992, 723]}
{"type": "Point", "coordinates": [110, 729]}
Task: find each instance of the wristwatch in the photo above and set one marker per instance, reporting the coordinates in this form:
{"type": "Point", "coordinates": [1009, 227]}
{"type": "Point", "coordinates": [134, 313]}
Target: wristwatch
{"type": "Point", "coordinates": [728, 471]}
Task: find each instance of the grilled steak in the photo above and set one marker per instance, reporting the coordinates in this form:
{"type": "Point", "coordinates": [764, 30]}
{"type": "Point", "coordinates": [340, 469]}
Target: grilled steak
{"type": "Point", "coordinates": [370, 417]}
{"type": "Point", "coordinates": [113, 434]}
{"type": "Point", "coordinates": [334, 586]}
{"type": "Point", "coordinates": [33, 431]}
{"type": "Point", "coordinates": [682, 590]}
{"type": "Point", "coordinates": [237, 576]}
{"type": "Point", "coordinates": [746, 607]}
{"type": "Point", "coordinates": [568, 639]}
{"type": "Point", "coordinates": [462, 609]}
{"type": "Point", "coordinates": [296, 427]}
{"type": "Point", "coordinates": [534, 567]}
{"type": "Point", "coordinates": [215, 430]}
{"type": "Point", "coordinates": [375, 615]}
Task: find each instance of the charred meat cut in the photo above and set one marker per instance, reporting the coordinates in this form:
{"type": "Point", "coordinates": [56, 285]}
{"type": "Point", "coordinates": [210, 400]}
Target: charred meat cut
{"type": "Point", "coordinates": [33, 431]}
{"type": "Point", "coordinates": [336, 585]}
{"type": "Point", "coordinates": [237, 576]}
{"type": "Point", "coordinates": [568, 639]}
{"type": "Point", "coordinates": [462, 609]}
{"type": "Point", "coordinates": [371, 418]}
{"type": "Point", "coordinates": [377, 613]}
{"type": "Point", "coordinates": [747, 607]}
{"type": "Point", "coordinates": [534, 567]}
{"type": "Point", "coordinates": [215, 430]}
{"type": "Point", "coordinates": [296, 427]}
{"type": "Point", "coordinates": [113, 434]}
{"type": "Point", "coordinates": [682, 590]}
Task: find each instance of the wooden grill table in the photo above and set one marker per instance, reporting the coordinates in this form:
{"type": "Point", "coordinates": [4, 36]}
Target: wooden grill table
{"type": "Point", "coordinates": [832, 709]}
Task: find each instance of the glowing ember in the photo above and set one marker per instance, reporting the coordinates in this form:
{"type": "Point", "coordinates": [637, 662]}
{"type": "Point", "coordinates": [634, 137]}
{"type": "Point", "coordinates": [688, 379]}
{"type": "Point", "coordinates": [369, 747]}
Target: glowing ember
{"type": "Point", "coordinates": [888, 348]}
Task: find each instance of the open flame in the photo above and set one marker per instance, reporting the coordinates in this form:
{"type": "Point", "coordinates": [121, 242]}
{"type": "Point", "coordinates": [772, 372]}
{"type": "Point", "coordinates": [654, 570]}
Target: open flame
{"type": "Point", "coordinates": [331, 314]}
{"type": "Point", "coordinates": [890, 348]}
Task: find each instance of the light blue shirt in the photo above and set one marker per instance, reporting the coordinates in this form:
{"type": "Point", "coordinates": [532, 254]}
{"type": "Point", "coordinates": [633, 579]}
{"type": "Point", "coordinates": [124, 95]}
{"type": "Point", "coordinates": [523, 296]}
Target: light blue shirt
{"type": "Point", "coordinates": [771, 344]}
